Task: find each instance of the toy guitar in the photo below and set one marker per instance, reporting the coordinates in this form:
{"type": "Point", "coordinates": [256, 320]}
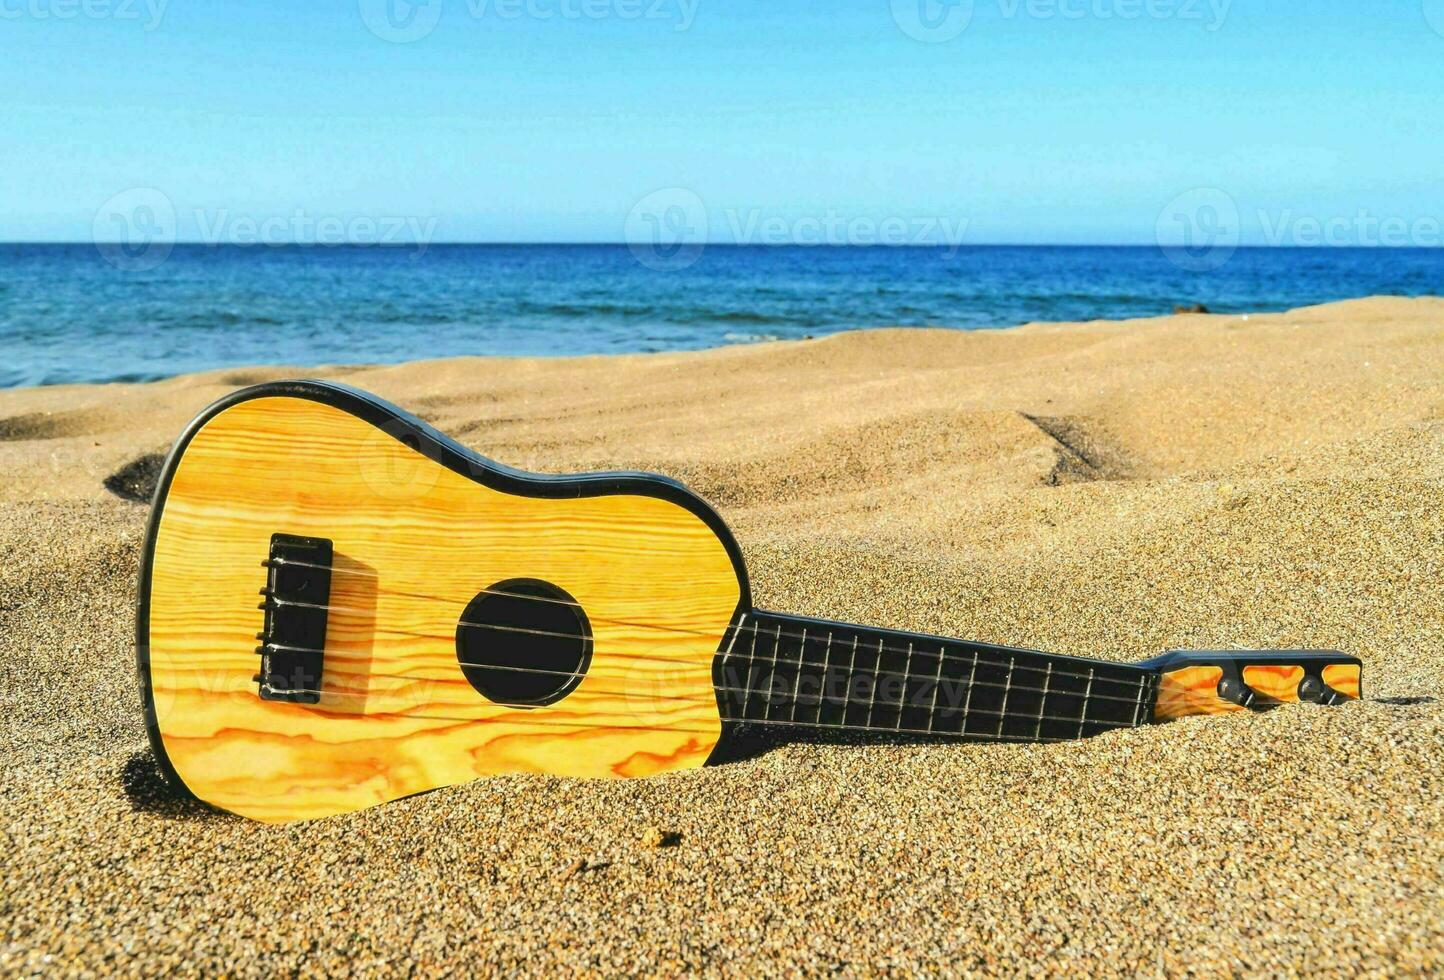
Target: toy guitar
{"type": "Point", "coordinates": [340, 606]}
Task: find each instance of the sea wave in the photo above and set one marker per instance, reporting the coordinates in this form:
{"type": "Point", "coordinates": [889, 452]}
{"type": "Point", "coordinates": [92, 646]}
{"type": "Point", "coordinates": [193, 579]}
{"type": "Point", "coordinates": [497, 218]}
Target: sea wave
{"type": "Point", "coordinates": [731, 316]}
{"type": "Point", "coordinates": [585, 310]}
{"type": "Point", "coordinates": [65, 314]}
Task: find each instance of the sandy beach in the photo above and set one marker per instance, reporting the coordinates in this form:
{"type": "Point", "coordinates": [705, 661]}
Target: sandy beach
{"type": "Point", "coordinates": [1106, 489]}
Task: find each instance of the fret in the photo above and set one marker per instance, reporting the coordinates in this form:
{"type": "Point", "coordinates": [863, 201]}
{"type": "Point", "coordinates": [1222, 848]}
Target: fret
{"type": "Point", "coordinates": [1007, 690]}
{"type": "Point", "coordinates": [826, 676]}
{"type": "Point", "coordinates": [732, 641]}
{"type": "Point", "coordinates": [761, 682]}
{"type": "Point", "coordinates": [872, 694]}
{"type": "Point", "coordinates": [770, 700]}
{"type": "Point", "coordinates": [968, 704]}
{"type": "Point", "coordinates": [1138, 711]}
{"type": "Point", "coordinates": [736, 673]}
{"type": "Point", "coordinates": [1042, 702]}
{"type": "Point", "coordinates": [851, 688]}
{"type": "Point", "coordinates": [903, 695]}
{"type": "Point", "coordinates": [751, 670]}
{"type": "Point", "coordinates": [1083, 712]}
{"type": "Point", "coordinates": [937, 686]}
{"type": "Point", "coordinates": [797, 676]}
{"type": "Point", "coordinates": [731, 645]}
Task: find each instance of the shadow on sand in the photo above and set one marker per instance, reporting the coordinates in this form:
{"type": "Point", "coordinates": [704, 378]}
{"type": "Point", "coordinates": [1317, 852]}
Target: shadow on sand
{"type": "Point", "coordinates": [148, 791]}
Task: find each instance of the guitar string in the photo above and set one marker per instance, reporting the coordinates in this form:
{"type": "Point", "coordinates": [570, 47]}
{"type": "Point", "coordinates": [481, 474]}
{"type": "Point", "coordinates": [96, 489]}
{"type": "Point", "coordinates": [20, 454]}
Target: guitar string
{"type": "Point", "coordinates": [1141, 680]}
{"type": "Point", "coordinates": [776, 660]}
{"type": "Point", "coordinates": [389, 630]}
{"type": "Point", "coordinates": [807, 700]}
{"type": "Point", "coordinates": [985, 648]}
{"type": "Point", "coordinates": [748, 692]}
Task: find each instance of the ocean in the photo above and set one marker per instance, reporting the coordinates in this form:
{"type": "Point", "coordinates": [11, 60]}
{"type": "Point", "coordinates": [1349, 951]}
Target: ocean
{"type": "Point", "coordinates": [70, 313]}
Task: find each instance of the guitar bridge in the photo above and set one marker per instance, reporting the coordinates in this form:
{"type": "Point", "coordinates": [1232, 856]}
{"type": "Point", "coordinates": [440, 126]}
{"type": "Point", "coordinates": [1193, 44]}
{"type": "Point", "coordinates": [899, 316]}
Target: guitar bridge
{"type": "Point", "coordinates": [297, 598]}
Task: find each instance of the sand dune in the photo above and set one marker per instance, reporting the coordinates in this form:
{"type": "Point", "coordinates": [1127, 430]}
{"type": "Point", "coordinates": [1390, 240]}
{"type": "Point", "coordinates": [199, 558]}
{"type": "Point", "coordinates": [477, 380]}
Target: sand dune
{"type": "Point", "coordinates": [1102, 489]}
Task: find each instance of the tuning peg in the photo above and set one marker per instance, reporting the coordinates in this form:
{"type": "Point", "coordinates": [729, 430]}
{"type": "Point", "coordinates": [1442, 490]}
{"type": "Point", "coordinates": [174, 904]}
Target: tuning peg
{"type": "Point", "coordinates": [1231, 688]}
{"type": "Point", "coordinates": [1313, 689]}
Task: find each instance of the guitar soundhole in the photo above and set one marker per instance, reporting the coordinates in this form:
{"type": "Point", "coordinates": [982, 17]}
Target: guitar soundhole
{"type": "Point", "coordinates": [523, 642]}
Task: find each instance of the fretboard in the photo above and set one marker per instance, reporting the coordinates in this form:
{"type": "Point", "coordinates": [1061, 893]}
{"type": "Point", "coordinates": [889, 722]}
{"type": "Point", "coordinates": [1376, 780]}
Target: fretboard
{"type": "Point", "coordinates": [775, 669]}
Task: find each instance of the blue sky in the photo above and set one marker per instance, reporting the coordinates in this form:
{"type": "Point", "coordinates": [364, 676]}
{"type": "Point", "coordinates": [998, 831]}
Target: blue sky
{"type": "Point", "coordinates": [549, 120]}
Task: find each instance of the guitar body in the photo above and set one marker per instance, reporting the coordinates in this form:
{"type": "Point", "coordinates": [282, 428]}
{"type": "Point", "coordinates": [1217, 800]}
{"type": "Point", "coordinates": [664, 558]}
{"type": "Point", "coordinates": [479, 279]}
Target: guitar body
{"type": "Point", "coordinates": [433, 567]}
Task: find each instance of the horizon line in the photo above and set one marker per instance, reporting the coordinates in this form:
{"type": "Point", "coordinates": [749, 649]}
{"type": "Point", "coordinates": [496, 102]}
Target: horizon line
{"type": "Point", "coordinates": [190, 243]}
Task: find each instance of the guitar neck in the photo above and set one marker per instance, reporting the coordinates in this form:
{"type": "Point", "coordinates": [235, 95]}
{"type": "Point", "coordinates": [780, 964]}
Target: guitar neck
{"type": "Point", "coordinates": [776, 669]}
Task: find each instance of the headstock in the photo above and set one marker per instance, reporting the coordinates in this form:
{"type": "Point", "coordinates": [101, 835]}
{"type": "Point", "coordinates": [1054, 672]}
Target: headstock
{"type": "Point", "coordinates": [1214, 682]}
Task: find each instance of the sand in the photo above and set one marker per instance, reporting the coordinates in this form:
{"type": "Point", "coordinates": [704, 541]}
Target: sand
{"type": "Point", "coordinates": [1102, 489]}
